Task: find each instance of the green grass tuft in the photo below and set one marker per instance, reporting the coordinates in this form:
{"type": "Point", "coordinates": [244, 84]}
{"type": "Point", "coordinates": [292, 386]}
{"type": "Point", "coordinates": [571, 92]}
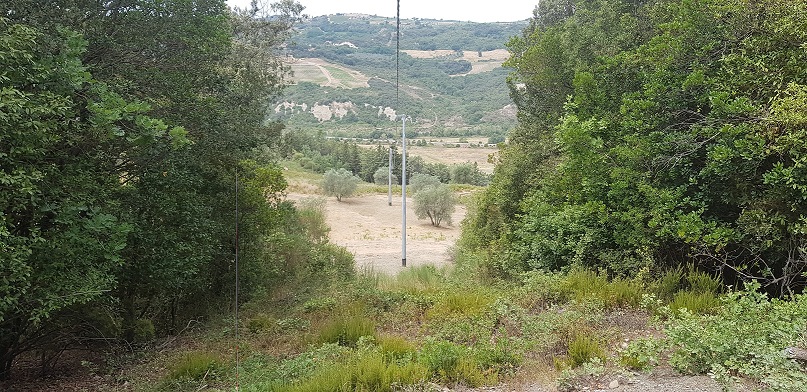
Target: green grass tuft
{"type": "Point", "coordinates": [195, 366]}
{"type": "Point", "coordinates": [346, 330]}
{"type": "Point", "coordinates": [582, 349]}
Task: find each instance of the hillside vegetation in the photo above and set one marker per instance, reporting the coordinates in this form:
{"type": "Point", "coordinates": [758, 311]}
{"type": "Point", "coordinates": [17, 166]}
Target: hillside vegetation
{"type": "Point", "coordinates": [643, 229]}
{"type": "Point", "coordinates": [451, 79]}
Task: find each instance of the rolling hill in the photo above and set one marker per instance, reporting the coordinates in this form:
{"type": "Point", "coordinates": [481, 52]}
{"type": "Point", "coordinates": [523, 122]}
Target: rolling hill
{"type": "Point", "coordinates": [451, 79]}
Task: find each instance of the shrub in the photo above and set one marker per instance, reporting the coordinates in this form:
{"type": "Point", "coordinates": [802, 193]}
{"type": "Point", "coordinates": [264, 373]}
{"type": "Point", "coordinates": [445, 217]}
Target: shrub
{"type": "Point", "coordinates": [585, 284]}
{"type": "Point", "coordinates": [340, 183]}
{"type": "Point", "coordinates": [363, 372]}
{"type": "Point", "coordinates": [260, 323]}
{"type": "Point", "coordinates": [459, 303]}
{"type": "Point", "coordinates": [437, 202]}
{"type": "Point", "coordinates": [394, 347]}
{"type": "Point", "coordinates": [311, 215]}
{"type": "Point", "coordinates": [316, 304]}
{"type": "Point", "coordinates": [452, 363]}
{"type": "Point", "coordinates": [641, 354]}
{"type": "Point", "coordinates": [744, 338]}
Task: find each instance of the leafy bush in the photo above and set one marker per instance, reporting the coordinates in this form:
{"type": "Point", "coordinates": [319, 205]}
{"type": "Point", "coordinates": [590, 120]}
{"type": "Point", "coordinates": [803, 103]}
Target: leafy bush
{"type": "Point", "coordinates": [316, 304]}
{"type": "Point", "coordinates": [745, 338]}
{"type": "Point", "coordinates": [340, 183]}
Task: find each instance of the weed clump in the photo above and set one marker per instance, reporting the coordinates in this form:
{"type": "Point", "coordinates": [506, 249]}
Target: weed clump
{"type": "Point", "coordinates": [582, 349]}
{"type": "Point", "coordinates": [195, 366]}
{"type": "Point", "coordinates": [346, 330]}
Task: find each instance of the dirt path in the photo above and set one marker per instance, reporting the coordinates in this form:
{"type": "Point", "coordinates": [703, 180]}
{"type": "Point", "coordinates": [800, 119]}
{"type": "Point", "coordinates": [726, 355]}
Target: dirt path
{"type": "Point", "coordinates": [371, 229]}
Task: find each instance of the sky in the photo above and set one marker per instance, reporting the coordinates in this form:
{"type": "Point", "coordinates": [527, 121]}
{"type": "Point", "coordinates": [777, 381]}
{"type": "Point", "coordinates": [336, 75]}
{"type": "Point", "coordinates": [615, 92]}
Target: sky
{"type": "Point", "coordinates": [462, 10]}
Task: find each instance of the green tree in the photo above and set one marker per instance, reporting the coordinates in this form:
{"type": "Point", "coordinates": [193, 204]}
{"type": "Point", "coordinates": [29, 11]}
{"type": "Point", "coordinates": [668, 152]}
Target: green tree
{"type": "Point", "coordinates": [382, 175]}
{"type": "Point", "coordinates": [437, 202]}
{"type": "Point", "coordinates": [340, 183]}
{"type": "Point", "coordinates": [63, 136]}
{"type": "Point", "coordinates": [420, 181]}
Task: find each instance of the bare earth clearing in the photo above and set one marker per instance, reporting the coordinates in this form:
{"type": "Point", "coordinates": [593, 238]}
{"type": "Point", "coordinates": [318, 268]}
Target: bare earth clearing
{"type": "Point", "coordinates": [371, 229]}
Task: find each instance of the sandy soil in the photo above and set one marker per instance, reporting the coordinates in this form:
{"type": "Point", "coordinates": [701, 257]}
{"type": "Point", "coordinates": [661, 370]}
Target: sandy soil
{"type": "Point", "coordinates": [371, 229]}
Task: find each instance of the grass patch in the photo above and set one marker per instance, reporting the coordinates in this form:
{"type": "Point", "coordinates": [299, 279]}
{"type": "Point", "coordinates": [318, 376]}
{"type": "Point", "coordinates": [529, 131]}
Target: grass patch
{"type": "Point", "coordinates": [419, 279]}
{"type": "Point", "coordinates": [462, 303]}
{"type": "Point", "coordinates": [582, 349]}
{"type": "Point", "coordinates": [367, 372]}
{"type": "Point", "coordinates": [195, 366]}
{"type": "Point", "coordinates": [346, 330]}
{"type": "Point", "coordinates": [695, 302]}
{"type": "Point", "coordinates": [582, 284]}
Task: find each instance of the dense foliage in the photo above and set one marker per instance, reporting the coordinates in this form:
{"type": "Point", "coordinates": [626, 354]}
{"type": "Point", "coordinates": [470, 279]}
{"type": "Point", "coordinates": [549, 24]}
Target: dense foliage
{"type": "Point", "coordinates": [654, 133]}
{"type": "Point", "coordinates": [123, 127]}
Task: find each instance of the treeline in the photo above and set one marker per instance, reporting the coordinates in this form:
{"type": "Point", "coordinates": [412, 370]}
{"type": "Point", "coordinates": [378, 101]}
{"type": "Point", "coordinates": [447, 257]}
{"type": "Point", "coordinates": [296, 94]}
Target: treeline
{"type": "Point", "coordinates": [374, 34]}
{"type": "Point", "coordinates": [316, 153]}
{"type": "Point", "coordinates": [654, 134]}
{"type": "Point", "coordinates": [123, 128]}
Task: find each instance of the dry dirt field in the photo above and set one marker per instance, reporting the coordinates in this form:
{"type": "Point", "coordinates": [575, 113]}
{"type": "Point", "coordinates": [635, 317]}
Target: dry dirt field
{"type": "Point", "coordinates": [453, 155]}
{"type": "Point", "coordinates": [371, 229]}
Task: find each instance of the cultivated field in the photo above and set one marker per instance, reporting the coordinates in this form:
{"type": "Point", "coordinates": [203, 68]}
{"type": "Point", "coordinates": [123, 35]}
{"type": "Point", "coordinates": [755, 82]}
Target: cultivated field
{"type": "Point", "coordinates": [440, 152]}
{"type": "Point", "coordinates": [488, 61]}
{"type": "Point", "coordinates": [327, 74]}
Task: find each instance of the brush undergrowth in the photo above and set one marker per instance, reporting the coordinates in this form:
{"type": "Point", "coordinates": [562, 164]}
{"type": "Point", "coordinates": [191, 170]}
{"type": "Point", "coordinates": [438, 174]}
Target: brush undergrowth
{"type": "Point", "coordinates": [373, 332]}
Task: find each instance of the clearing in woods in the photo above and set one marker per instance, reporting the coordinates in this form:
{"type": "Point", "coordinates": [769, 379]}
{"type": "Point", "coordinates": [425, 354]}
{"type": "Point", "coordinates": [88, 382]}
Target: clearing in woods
{"type": "Point", "coordinates": [371, 229]}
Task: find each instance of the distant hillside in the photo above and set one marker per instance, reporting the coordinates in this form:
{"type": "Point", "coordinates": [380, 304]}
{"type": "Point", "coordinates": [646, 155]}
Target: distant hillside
{"type": "Point", "coordinates": [451, 76]}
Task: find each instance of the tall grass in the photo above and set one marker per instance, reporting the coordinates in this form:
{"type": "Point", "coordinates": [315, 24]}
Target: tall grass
{"type": "Point", "coordinates": [582, 284]}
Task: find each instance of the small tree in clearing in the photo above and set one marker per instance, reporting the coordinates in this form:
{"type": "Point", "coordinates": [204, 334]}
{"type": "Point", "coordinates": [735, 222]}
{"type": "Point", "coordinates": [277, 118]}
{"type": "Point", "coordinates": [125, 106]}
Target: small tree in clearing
{"type": "Point", "coordinates": [380, 176]}
{"type": "Point", "coordinates": [420, 181]}
{"type": "Point", "coordinates": [340, 183]}
{"type": "Point", "coordinates": [435, 201]}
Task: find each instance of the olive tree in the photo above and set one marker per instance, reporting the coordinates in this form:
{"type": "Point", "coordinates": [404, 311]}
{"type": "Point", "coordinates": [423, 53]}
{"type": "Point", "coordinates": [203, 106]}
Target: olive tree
{"type": "Point", "coordinates": [420, 181]}
{"type": "Point", "coordinates": [340, 183]}
{"type": "Point", "coordinates": [381, 176]}
{"type": "Point", "coordinates": [436, 202]}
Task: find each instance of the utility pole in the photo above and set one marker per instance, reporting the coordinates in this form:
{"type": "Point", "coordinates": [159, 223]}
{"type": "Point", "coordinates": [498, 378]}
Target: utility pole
{"type": "Point", "coordinates": [403, 190]}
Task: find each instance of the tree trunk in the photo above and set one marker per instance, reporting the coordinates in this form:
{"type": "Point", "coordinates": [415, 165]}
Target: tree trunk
{"type": "Point", "coordinates": [7, 356]}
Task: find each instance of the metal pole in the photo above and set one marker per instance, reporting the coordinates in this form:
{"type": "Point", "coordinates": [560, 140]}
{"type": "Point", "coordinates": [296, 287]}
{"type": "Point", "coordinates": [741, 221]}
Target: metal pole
{"type": "Point", "coordinates": [389, 178]}
{"type": "Point", "coordinates": [403, 190]}
{"type": "Point", "coordinates": [237, 342]}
